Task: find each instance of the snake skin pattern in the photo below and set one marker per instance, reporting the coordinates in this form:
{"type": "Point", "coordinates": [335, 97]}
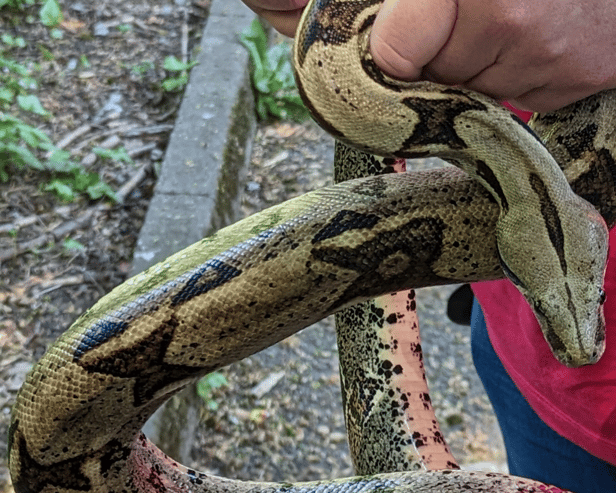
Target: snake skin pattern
{"type": "Point", "coordinates": [77, 419]}
{"type": "Point", "coordinates": [390, 421]}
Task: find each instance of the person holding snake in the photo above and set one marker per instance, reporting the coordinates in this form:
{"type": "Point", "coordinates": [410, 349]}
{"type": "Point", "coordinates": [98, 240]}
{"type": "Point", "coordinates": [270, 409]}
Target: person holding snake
{"type": "Point", "coordinates": [559, 424]}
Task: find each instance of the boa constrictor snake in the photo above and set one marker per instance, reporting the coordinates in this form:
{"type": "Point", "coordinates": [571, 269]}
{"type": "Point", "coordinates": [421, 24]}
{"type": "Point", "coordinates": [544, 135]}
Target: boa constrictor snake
{"type": "Point", "coordinates": [77, 419]}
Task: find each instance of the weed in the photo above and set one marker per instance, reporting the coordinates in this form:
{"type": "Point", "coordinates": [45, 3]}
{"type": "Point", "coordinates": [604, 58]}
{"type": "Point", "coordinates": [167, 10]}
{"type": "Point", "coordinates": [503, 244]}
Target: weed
{"type": "Point", "coordinates": [207, 384]}
{"type": "Point", "coordinates": [50, 13]}
{"type": "Point", "coordinates": [118, 154]}
{"type": "Point", "coordinates": [20, 142]}
{"type": "Point", "coordinates": [141, 68]}
{"type": "Point", "coordinates": [272, 76]}
{"type": "Point", "coordinates": [16, 4]}
{"type": "Point", "coordinates": [172, 64]}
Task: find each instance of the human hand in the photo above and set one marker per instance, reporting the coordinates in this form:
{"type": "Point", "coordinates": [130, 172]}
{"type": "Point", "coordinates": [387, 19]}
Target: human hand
{"type": "Point", "coordinates": [538, 54]}
{"type": "Point", "coordinates": [282, 14]}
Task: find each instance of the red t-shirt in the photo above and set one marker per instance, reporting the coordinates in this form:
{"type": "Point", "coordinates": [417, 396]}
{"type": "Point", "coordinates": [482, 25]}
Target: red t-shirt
{"type": "Point", "coordinates": [578, 403]}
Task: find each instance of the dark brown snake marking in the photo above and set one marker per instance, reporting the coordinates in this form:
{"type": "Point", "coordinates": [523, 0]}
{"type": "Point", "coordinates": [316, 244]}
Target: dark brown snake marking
{"type": "Point", "coordinates": [262, 279]}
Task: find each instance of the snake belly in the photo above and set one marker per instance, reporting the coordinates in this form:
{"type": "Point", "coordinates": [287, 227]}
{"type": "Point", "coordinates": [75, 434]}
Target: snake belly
{"type": "Point", "coordinates": [75, 425]}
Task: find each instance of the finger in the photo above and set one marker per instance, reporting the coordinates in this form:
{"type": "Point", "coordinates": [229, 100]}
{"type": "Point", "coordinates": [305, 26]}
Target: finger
{"type": "Point", "coordinates": [473, 46]}
{"type": "Point", "coordinates": [408, 34]}
{"type": "Point", "coordinates": [546, 99]}
{"type": "Point", "coordinates": [283, 15]}
{"type": "Point", "coordinates": [280, 5]}
{"type": "Point", "coordinates": [497, 81]}
{"type": "Point", "coordinates": [285, 22]}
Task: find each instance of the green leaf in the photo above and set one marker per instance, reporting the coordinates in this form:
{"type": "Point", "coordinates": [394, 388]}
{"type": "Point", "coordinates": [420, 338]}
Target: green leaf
{"type": "Point", "coordinates": [82, 180]}
{"type": "Point", "coordinates": [101, 189]}
{"type": "Point", "coordinates": [22, 156]}
{"type": "Point", "coordinates": [50, 13]}
{"type": "Point", "coordinates": [174, 83]}
{"type": "Point", "coordinates": [272, 76]}
{"type": "Point", "coordinates": [254, 38]}
{"type": "Point", "coordinates": [60, 162]}
{"type": "Point", "coordinates": [56, 33]}
{"type": "Point", "coordinates": [32, 136]}
{"type": "Point", "coordinates": [61, 189]}
{"type": "Point", "coordinates": [207, 384]}
{"type": "Point", "coordinates": [47, 55]}
{"type": "Point", "coordinates": [73, 245]}
{"type": "Point", "coordinates": [172, 64]}
{"type": "Point", "coordinates": [31, 103]}
{"type": "Point", "coordinates": [142, 68]}
{"type": "Point", "coordinates": [7, 95]}
{"type": "Point", "coordinates": [118, 154]}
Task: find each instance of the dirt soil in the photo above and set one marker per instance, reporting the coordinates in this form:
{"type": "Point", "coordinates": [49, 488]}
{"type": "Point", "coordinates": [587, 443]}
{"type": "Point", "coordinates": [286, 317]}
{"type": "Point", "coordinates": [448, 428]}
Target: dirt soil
{"type": "Point", "coordinates": [279, 417]}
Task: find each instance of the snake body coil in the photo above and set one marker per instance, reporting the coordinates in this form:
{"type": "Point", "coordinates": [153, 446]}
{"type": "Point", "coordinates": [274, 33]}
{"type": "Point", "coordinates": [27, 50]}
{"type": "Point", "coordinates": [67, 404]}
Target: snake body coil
{"type": "Point", "coordinates": [75, 425]}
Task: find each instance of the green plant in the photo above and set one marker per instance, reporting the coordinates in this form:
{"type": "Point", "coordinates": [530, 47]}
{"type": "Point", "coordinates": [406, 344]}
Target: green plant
{"type": "Point", "coordinates": [12, 42]}
{"type": "Point", "coordinates": [50, 13]}
{"type": "Point", "coordinates": [68, 184]}
{"type": "Point", "coordinates": [118, 154]}
{"type": "Point", "coordinates": [71, 245]}
{"type": "Point", "coordinates": [207, 384]}
{"type": "Point", "coordinates": [272, 76]}
{"type": "Point", "coordinates": [15, 78]}
{"type": "Point", "coordinates": [142, 67]}
{"type": "Point", "coordinates": [172, 64]}
{"type": "Point", "coordinates": [56, 33]}
{"type": "Point", "coordinates": [13, 134]}
{"type": "Point", "coordinates": [16, 4]}
{"type": "Point", "coordinates": [20, 142]}
{"type": "Point", "coordinates": [124, 28]}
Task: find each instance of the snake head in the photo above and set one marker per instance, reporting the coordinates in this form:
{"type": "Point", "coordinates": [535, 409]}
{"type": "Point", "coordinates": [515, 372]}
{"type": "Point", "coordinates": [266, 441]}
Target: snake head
{"type": "Point", "coordinates": [561, 277]}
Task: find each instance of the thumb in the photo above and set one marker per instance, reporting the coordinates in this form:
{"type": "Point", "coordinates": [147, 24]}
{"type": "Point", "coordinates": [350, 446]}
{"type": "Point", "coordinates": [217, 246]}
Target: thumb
{"type": "Point", "coordinates": [408, 34]}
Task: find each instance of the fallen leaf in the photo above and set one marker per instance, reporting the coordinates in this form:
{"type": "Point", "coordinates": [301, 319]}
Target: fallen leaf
{"type": "Point", "coordinates": [73, 25]}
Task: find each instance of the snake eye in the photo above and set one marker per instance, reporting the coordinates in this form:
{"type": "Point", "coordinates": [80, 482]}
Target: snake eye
{"type": "Point", "coordinates": [538, 308]}
{"type": "Point", "coordinates": [602, 296]}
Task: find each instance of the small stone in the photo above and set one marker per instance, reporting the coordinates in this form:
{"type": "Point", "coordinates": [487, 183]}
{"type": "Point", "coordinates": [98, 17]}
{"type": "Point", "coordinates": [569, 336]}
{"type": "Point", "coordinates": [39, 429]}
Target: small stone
{"type": "Point", "coordinates": [78, 7]}
{"type": "Point", "coordinates": [337, 437]}
{"type": "Point", "coordinates": [253, 187]}
{"type": "Point", "coordinates": [156, 154]}
{"type": "Point", "coordinates": [101, 29]}
{"type": "Point", "coordinates": [323, 430]}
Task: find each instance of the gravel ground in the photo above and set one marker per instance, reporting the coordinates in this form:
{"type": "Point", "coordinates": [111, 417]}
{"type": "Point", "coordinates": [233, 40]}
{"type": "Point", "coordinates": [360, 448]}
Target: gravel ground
{"type": "Point", "coordinates": [280, 417]}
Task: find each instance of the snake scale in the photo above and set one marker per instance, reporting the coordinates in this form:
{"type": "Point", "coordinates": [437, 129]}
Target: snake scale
{"type": "Point", "coordinates": [77, 419]}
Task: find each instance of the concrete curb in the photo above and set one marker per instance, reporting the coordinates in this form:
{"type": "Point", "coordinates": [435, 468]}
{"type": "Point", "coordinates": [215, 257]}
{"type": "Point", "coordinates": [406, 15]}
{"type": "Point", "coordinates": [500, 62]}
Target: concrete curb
{"type": "Point", "coordinates": [210, 143]}
{"type": "Point", "coordinates": [198, 188]}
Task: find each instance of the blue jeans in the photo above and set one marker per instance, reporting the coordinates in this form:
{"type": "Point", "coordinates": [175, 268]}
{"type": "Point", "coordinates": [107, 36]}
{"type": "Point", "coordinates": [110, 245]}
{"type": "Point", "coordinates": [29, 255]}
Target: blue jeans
{"type": "Point", "coordinates": [534, 450]}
